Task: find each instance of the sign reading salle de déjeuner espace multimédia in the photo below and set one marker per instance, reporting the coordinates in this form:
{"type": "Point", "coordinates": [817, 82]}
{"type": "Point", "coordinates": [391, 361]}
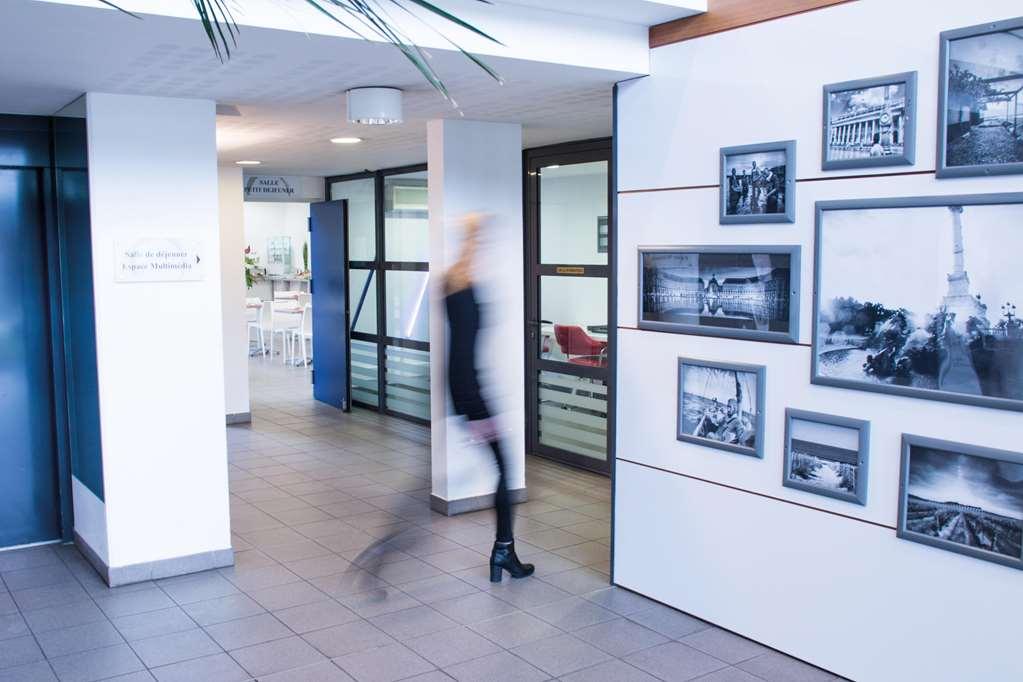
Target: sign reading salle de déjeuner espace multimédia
{"type": "Point", "coordinates": [157, 259]}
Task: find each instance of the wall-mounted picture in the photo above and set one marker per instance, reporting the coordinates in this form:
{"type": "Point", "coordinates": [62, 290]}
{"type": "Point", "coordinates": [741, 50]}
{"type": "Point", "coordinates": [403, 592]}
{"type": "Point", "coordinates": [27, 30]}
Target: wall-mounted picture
{"type": "Point", "coordinates": [918, 296]}
{"type": "Point", "coordinates": [721, 405]}
{"type": "Point", "coordinates": [870, 122]}
{"type": "Point", "coordinates": [602, 234]}
{"type": "Point", "coordinates": [980, 100]}
{"type": "Point", "coordinates": [745, 292]}
{"type": "Point", "coordinates": [758, 183]}
{"type": "Point", "coordinates": [962, 498]}
{"type": "Point", "coordinates": [826, 455]}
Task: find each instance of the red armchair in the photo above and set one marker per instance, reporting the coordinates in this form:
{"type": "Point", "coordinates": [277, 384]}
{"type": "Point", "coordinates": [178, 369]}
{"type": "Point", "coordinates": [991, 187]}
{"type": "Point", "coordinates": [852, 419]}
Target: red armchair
{"type": "Point", "coordinates": [580, 347]}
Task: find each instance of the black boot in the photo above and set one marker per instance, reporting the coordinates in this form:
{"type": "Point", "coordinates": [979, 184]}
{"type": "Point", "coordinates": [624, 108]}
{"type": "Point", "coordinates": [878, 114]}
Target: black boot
{"type": "Point", "coordinates": [503, 557]}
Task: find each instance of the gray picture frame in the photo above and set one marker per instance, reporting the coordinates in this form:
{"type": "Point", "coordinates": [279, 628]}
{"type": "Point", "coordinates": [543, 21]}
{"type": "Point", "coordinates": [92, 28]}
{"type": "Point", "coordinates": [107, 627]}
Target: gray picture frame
{"type": "Point", "coordinates": [943, 170]}
{"type": "Point", "coordinates": [908, 156]}
{"type": "Point", "coordinates": [910, 441]}
{"type": "Point", "coordinates": [761, 373]}
{"type": "Point", "coordinates": [789, 216]}
{"type": "Point", "coordinates": [859, 496]}
{"type": "Point", "coordinates": [899, 202]}
{"type": "Point", "coordinates": [793, 251]}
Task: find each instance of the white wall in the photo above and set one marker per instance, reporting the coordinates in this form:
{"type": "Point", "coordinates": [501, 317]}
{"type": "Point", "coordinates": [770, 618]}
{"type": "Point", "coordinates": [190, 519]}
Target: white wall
{"type": "Point", "coordinates": [159, 345]}
{"type": "Point", "coordinates": [232, 265]}
{"type": "Point", "coordinates": [477, 166]}
{"type": "Point", "coordinates": [264, 219]}
{"type": "Point", "coordinates": [716, 534]}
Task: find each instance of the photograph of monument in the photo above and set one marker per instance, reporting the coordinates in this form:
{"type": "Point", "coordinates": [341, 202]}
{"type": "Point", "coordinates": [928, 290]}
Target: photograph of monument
{"type": "Point", "coordinates": [963, 498]}
{"type": "Point", "coordinates": [721, 405]}
{"type": "Point", "coordinates": [982, 100]}
{"type": "Point", "coordinates": [758, 183]}
{"type": "Point", "coordinates": [918, 297]}
{"type": "Point", "coordinates": [870, 122]}
{"type": "Point", "coordinates": [741, 291]}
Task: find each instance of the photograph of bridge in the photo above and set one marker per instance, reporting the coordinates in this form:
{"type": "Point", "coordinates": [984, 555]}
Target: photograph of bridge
{"type": "Point", "coordinates": [964, 500]}
{"type": "Point", "coordinates": [917, 297]}
{"type": "Point", "coordinates": [983, 86]}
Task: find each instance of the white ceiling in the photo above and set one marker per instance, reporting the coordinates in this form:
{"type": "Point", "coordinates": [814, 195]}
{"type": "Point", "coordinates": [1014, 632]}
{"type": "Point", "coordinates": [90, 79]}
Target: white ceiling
{"type": "Point", "coordinates": [287, 86]}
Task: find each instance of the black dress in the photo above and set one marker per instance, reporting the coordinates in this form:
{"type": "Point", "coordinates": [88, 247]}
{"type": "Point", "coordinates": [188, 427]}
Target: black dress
{"type": "Point", "coordinates": [463, 377]}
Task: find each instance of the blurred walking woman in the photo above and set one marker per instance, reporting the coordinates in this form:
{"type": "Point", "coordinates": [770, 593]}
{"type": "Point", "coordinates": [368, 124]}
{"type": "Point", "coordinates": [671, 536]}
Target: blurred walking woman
{"type": "Point", "coordinates": [463, 379]}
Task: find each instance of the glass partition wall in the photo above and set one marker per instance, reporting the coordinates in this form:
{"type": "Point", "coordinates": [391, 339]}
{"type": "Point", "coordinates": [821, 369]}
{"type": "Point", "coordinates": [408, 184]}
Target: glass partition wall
{"type": "Point", "coordinates": [568, 307]}
{"type": "Point", "coordinates": [388, 289]}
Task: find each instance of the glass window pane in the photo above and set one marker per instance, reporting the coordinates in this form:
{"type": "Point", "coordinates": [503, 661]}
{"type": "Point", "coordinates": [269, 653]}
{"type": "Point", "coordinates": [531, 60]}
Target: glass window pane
{"type": "Point", "coordinates": [362, 231]}
{"type": "Point", "coordinates": [406, 218]}
{"type": "Point", "coordinates": [573, 214]}
{"type": "Point", "coordinates": [572, 414]}
{"type": "Point", "coordinates": [364, 373]}
{"type": "Point", "coordinates": [362, 300]}
{"type": "Point", "coordinates": [408, 381]}
{"type": "Point", "coordinates": [573, 320]}
{"type": "Point", "coordinates": [408, 304]}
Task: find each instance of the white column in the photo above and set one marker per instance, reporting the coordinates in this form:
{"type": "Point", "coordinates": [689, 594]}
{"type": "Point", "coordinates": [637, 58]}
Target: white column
{"type": "Point", "coordinates": [232, 265]}
{"type": "Point", "coordinates": [159, 344]}
{"type": "Point", "coordinates": [477, 166]}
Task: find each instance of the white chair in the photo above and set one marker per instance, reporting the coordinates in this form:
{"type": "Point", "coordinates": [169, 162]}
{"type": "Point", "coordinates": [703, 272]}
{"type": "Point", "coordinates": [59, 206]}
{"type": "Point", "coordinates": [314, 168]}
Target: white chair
{"type": "Point", "coordinates": [254, 321]}
{"type": "Point", "coordinates": [303, 333]}
{"type": "Point", "coordinates": [283, 320]}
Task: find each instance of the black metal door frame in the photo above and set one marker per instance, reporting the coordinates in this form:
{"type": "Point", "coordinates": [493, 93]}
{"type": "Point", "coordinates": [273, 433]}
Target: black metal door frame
{"type": "Point", "coordinates": [585, 151]}
{"type": "Point", "coordinates": [379, 266]}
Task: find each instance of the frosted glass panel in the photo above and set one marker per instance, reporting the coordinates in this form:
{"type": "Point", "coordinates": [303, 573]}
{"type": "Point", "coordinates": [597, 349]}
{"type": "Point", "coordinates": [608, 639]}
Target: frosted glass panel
{"type": "Point", "coordinates": [408, 304]}
{"type": "Point", "coordinates": [406, 219]}
{"type": "Point", "coordinates": [361, 196]}
{"type": "Point", "coordinates": [573, 214]}
{"type": "Point", "coordinates": [573, 414]}
{"type": "Point", "coordinates": [364, 373]}
{"type": "Point", "coordinates": [408, 381]}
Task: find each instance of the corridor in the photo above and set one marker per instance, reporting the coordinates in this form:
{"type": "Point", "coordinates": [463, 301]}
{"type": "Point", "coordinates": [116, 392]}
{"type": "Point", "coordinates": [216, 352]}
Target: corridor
{"type": "Point", "coordinates": [343, 573]}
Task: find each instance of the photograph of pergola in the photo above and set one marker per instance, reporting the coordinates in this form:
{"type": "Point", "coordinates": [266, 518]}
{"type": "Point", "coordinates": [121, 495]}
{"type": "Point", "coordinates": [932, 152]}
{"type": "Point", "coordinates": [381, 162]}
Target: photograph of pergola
{"type": "Point", "coordinates": [982, 100]}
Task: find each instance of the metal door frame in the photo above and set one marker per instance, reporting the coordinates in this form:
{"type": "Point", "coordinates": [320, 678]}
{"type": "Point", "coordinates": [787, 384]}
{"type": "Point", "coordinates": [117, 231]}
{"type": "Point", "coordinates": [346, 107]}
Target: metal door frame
{"type": "Point", "coordinates": [533, 160]}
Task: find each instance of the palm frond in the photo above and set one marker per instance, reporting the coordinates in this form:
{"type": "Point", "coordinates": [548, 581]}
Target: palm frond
{"type": "Point", "coordinates": [360, 17]}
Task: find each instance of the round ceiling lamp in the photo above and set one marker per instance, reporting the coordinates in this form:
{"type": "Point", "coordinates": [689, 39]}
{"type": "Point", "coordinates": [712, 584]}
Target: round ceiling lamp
{"type": "Point", "coordinates": [374, 106]}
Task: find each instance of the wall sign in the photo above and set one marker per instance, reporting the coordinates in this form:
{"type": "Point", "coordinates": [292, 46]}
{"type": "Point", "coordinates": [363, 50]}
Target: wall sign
{"type": "Point", "coordinates": [158, 259]}
{"type": "Point", "coordinates": [283, 188]}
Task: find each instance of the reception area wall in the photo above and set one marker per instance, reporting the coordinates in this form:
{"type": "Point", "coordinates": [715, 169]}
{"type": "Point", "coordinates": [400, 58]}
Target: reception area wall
{"type": "Point", "coordinates": [714, 533]}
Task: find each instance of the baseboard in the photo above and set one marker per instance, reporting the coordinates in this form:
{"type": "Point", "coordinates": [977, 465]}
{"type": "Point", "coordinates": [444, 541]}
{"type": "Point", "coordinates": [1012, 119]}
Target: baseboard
{"type": "Point", "coordinates": [471, 504]}
{"type": "Point", "coordinates": [239, 418]}
{"type": "Point", "coordinates": [154, 570]}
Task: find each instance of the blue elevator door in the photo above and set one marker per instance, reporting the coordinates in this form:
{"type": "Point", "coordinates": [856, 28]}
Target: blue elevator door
{"type": "Point", "coordinates": [29, 501]}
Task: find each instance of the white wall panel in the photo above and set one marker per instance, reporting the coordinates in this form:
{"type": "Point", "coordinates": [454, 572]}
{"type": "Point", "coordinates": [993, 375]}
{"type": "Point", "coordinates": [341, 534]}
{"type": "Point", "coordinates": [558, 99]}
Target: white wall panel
{"type": "Point", "coordinates": [763, 83]}
{"type": "Point", "coordinates": [714, 533]}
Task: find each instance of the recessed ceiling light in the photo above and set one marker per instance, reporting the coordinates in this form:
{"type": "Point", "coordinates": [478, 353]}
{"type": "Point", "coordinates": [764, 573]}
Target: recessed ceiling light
{"type": "Point", "coordinates": [248, 163]}
{"type": "Point", "coordinates": [346, 140]}
{"type": "Point", "coordinates": [552, 167]}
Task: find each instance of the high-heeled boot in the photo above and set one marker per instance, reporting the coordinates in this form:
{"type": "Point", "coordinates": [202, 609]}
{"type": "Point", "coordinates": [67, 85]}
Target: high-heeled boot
{"type": "Point", "coordinates": [503, 558]}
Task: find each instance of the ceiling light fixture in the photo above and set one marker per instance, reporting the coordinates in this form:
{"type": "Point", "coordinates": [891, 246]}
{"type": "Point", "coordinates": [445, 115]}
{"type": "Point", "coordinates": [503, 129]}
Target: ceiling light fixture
{"type": "Point", "coordinates": [346, 140]}
{"type": "Point", "coordinates": [248, 163]}
{"type": "Point", "coordinates": [375, 106]}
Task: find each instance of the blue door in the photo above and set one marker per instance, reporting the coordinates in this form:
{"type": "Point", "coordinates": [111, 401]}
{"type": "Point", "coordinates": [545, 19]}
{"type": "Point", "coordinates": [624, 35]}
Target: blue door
{"type": "Point", "coordinates": [328, 225]}
{"type": "Point", "coordinates": [29, 499]}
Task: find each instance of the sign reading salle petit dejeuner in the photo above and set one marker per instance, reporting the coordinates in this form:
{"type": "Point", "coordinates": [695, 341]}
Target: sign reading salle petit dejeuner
{"type": "Point", "coordinates": [158, 259]}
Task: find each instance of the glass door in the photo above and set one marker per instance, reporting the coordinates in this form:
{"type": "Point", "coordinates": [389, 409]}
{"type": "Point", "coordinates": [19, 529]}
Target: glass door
{"type": "Point", "coordinates": [568, 303]}
{"type": "Point", "coordinates": [388, 289]}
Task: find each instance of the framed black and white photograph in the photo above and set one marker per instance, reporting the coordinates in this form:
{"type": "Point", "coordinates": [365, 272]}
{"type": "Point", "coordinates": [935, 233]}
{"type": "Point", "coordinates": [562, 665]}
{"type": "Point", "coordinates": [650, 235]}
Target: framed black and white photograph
{"type": "Point", "coordinates": [827, 455]}
{"type": "Point", "coordinates": [743, 292]}
{"type": "Point", "coordinates": [870, 123]}
{"type": "Point", "coordinates": [721, 405]}
{"type": "Point", "coordinates": [758, 183]}
{"type": "Point", "coordinates": [917, 297]}
{"type": "Point", "coordinates": [980, 100]}
{"type": "Point", "coordinates": [962, 498]}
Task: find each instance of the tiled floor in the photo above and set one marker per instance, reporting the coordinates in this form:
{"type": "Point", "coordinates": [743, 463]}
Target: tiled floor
{"type": "Point", "coordinates": [342, 572]}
